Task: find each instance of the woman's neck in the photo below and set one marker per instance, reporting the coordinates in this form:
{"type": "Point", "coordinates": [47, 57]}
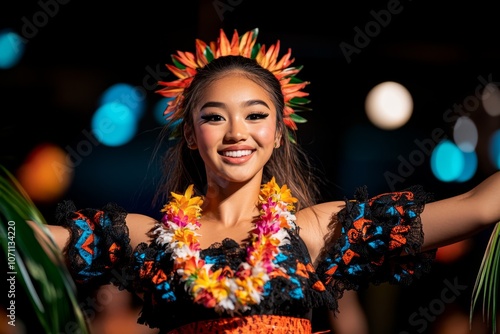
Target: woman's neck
{"type": "Point", "coordinates": [232, 203]}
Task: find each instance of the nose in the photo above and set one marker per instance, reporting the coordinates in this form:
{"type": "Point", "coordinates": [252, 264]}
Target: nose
{"type": "Point", "coordinates": [237, 130]}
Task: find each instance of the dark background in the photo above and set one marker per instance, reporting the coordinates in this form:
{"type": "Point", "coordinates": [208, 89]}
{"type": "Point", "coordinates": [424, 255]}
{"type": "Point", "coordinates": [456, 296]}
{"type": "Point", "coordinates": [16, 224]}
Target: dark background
{"type": "Point", "coordinates": [77, 49]}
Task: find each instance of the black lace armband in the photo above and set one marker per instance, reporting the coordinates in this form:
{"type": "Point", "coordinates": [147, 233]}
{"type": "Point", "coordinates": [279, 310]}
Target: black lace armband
{"type": "Point", "coordinates": [380, 241]}
{"type": "Point", "coordinates": [99, 241]}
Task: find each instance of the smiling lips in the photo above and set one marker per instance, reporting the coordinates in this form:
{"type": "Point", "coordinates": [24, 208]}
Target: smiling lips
{"type": "Point", "coordinates": [236, 154]}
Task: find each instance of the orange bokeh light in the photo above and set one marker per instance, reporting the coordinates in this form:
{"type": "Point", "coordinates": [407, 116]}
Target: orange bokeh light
{"type": "Point", "coordinates": [45, 173]}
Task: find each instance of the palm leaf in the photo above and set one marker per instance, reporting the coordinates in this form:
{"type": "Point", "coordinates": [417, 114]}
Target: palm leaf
{"type": "Point", "coordinates": [36, 263]}
{"type": "Point", "coordinates": [486, 285]}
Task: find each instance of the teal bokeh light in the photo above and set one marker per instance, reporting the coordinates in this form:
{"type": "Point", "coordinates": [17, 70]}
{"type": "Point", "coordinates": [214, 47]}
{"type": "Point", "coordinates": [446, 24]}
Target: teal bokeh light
{"type": "Point", "coordinates": [494, 149]}
{"type": "Point", "coordinates": [447, 161]}
{"type": "Point", "coordinates": [11, 49]}
{"type": "Point", "coordinates": [159, 109]}
{"type": "Point", "coordinates": [128, 95]}
{"type": "Point", "coordinates": [470, 166]}
{"type": "Point", "coordinates": [114, 124]}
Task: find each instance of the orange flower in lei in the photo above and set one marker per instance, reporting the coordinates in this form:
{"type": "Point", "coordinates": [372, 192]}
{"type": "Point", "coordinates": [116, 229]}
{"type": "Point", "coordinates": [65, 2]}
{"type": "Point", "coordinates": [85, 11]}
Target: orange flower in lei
{"type": "Point", "coordinates": [225, 289]}
{"type": "Point", "coordinates": [185, 65]}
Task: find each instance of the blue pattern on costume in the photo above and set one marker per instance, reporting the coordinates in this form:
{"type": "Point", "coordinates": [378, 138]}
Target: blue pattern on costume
{"type": "Point", "coordinates": [212, 259]}
{"type": "Point", "coordinates": [139, 260]}
{"type": "Point", "coordinates": [267, 289]}
{"type": "Point", "coordinates": [86, 256]}
{"type": "Point", "coordinates": [166, 292]}
{"type": "Point", "coordinates": [163, 290]}
{"type": "Point", "coordinates": [99, 244]}
{"type": "Point", "coordinates": [89, 257]}
{"type": "Point", "coordinates": [280, 258]}
{"type": "Point", "coordinates": [296, 293]}
{"type": "Point", "coordinates": [362, 207]}
{"type": "Point", "coordinates": [375, 232]}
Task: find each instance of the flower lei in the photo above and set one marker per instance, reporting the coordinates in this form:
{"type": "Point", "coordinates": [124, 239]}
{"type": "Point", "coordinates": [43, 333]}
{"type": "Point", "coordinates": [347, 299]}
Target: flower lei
{"type": "Point", "coordinates": [225, 289]}
{"type": "Point", "coordinates": [185, 65]}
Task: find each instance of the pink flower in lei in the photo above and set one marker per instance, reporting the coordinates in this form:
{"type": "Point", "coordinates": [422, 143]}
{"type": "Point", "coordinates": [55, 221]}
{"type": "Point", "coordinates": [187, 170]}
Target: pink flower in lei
{"type": "Point", "coordinates": [224, 289]}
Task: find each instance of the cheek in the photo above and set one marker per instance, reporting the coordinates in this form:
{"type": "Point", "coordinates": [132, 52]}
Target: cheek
{"type": "Point", "coordinates": [207, 137]}
{"type": "Point", "coordinates": [266, 134]}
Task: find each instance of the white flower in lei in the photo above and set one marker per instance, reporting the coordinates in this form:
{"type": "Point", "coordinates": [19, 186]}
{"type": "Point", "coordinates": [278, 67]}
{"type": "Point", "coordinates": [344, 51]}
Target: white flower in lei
{"type": "Point", "coordinates": [224, 289]}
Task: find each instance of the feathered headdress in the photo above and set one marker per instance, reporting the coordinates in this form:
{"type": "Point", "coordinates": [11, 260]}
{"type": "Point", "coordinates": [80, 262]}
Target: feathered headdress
{"type": "Point", "coordinates": [185, 65]}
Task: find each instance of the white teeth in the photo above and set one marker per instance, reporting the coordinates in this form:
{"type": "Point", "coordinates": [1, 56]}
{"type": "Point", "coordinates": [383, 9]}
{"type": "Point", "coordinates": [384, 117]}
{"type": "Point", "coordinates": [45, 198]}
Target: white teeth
{"type": "Point", "coordinates": [236, 154]}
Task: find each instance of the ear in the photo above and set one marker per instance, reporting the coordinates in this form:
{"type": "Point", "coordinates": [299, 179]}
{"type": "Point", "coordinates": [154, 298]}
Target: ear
{"type": "Point", "coordinates": [190, 137]}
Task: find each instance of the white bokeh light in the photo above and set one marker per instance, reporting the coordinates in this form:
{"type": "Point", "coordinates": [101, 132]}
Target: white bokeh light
{"type": "Point", "coordinates": [465, 134]}
{"type": "Point", "coordinates": [389, 105]}
{"type": "Point", "coordinates": [491, 99]}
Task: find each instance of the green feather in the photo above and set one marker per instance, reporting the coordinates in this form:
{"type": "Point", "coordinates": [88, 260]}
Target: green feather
{"type": "Point", "coordinates": [298, 119]}
{"type": "Point", "coordinates": [178, 64]}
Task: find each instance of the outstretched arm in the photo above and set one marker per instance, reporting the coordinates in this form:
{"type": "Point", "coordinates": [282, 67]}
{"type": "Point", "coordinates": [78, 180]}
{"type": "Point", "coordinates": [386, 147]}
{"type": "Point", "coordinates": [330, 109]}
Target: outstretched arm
{"type": "Point", "coordinates": [138, 225]}
{"type": "Point", "coordinates": [459, 217]}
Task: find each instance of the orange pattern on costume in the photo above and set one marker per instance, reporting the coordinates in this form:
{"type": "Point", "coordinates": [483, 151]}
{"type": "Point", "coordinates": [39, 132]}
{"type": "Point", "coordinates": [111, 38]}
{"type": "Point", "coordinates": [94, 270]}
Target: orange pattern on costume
{"type": "Point", "coordinates": [88, 244]}
{"type": "Point", "coordinates": [349, 255]}
{"type": "Point", "coordinates": [319, 286]}
{"type": "Point", "coordinates": [302, 270]}
{"type": "Point", "coordinates": [146, 269]}
{"type": "Point", "coordinates": [159, 277]}
{"type": "Point", "coordinates": [278, 273]}
{"type": "Point", "coordinates": [358, 224]}
{"type": "Point", "coordinates": [98, 242]}
{"type": "Point", "coordinates": [113, 250]}
{"type": "Point", "coordinates": [397, 236]}
{"type": "Point", "coordinates": [99, 215]}
{"type": "Point", "coordinates": [90, 222]}
{"type": "Point", "coordinates": [374, 233]}
{"type": "Point", "coordinates": [270, 324]}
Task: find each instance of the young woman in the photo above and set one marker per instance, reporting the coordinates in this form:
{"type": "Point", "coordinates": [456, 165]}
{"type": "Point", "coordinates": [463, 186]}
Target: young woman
{"type": "Point", "coordinates": [241, 244]}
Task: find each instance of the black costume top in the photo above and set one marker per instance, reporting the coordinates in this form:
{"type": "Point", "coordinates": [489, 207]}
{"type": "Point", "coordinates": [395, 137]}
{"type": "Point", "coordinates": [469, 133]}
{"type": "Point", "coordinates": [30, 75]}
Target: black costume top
{"type": "Point", "coordinates": [380, 241]}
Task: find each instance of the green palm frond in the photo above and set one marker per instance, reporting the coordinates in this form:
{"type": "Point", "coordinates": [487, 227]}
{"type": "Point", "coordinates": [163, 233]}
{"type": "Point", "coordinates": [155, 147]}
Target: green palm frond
{"type": "Point", "coordinates": [36, 264]}
{"type": "Point", "coordinates": [486, 285]}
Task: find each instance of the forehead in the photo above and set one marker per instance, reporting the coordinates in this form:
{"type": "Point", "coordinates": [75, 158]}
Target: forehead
{"type": "Point", "coordinates": [235, 87]}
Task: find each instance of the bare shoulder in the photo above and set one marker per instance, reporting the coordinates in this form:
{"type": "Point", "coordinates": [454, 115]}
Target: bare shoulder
{"type": "Point", "coordinates": [139, 225]}
{"type": "Point", "coordinates": [320, 213]}
{"type": "Point", "coordinates": [317, 223]}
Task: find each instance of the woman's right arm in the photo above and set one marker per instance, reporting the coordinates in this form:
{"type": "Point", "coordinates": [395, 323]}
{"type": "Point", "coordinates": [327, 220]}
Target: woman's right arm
{"type": "Point", "coordinates": [96, 244]}
{"type": "Point", "coordinates": [138, 226]}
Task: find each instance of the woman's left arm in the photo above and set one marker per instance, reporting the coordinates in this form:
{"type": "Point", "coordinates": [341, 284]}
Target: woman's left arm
{"type": "Point", "coordinates": [456, 218]}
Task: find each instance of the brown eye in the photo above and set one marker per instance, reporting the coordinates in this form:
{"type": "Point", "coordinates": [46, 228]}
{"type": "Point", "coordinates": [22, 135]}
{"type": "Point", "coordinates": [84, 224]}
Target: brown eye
{"type": "Point", "coordinates": [212, 118]}
{"type": "Point", "coordinates": [257, 116]}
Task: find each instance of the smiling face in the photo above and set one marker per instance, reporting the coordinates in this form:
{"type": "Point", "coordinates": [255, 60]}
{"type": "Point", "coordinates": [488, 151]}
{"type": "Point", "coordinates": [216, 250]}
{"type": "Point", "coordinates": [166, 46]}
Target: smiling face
{"type": "Point", "coordinates": [234, 129]}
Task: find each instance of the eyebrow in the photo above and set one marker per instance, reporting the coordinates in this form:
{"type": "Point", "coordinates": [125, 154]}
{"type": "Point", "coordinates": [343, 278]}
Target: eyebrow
{"type": "Point", "coordinates": [249, 103]}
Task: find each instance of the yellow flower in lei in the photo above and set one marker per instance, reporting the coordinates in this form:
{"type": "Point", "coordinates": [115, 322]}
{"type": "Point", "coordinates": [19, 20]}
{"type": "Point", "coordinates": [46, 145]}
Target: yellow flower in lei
{"type": "Point", "coordinates": [182, 213]}
{"type": "Point", "coordinates": [224, 289]}
{"type": "Point", "coordinates": [282, 196]}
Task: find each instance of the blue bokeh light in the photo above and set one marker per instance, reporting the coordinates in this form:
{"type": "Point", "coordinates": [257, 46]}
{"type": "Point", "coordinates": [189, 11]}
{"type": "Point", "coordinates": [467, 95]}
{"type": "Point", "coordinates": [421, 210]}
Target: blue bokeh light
{"type": "Point", "coordinates": [159, 109]}
{"type": "Point", "coordinates": [114, 124]}
{"type": "Point", "coordinates": [132, 97]}
{"type": "Point", "coordinates": [447, 161]}
{"type": "Point", "coordinates": [470, 166]}
{"type": "Point", "coordinates": [11, 49]}
{"type": "Point", "coordinates": [494, 149]}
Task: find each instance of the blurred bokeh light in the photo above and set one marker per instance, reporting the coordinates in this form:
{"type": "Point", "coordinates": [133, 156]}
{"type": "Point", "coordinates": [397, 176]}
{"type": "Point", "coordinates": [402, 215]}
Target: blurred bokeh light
{"type": "Point", "coordinates": [389, 105]}
{"type": "Point", "coordinates": [46, 173]}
